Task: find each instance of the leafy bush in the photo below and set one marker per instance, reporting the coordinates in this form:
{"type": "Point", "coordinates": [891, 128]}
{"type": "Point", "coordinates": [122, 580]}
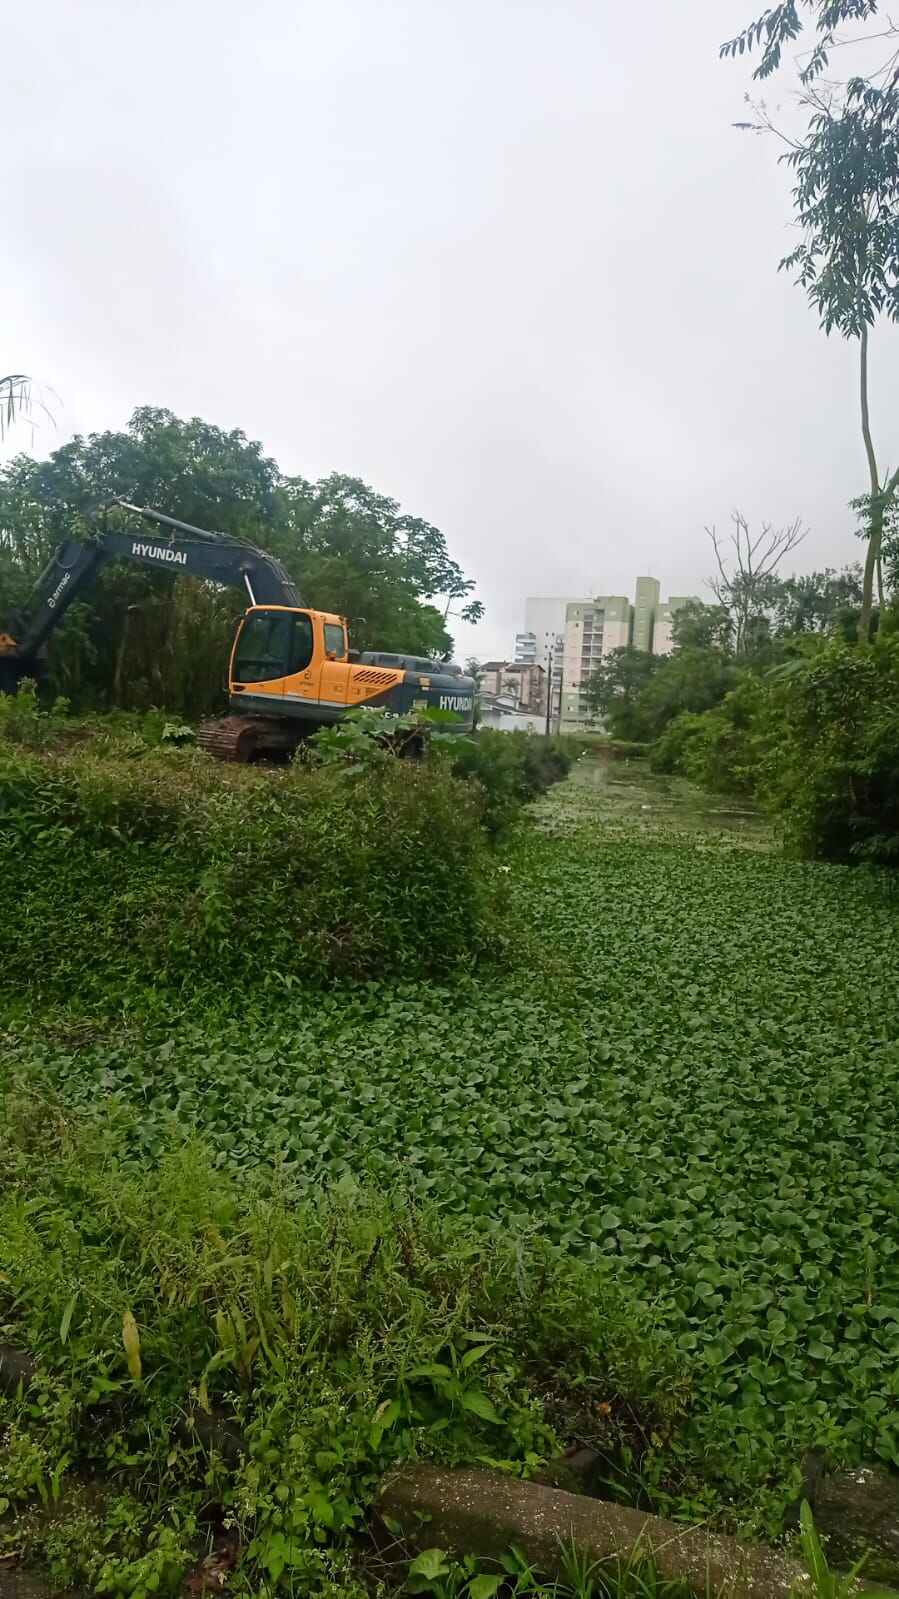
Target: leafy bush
{"type": "Point", "coordinates": [669, 752]}
{"type": "Point", "coordinates": [204, 1342]}
{"type": "Point", "coordinates": [639, 694]}
{"type": "Point", "coordinates": [717, 748]}
{"type": "Point", "coordinates": [831, 758]}
{"type": "Point", "coordinates": [368, 736]}
{"type": "Point", "coordinates": [816, 740]}
{"type": "Point", "coordinates": [167, 870]}
{"type": "Point", "coordinates": [24, 721]}
{"type": "Point", "coordinates": [511, 768]}
{"type": "Point", "coordinates": [30, 722]}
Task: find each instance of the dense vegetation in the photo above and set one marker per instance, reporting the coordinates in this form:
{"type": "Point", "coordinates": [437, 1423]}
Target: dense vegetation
{"type": "Point", "coordinates": [347, 1118]}
{"type": "Point", "coordinates": [239, 1362]}
{"type": "Point", "coordinates": [815, 739]}
{"type": "Point", "coordinates": [176, 874]}
{"type": "Point", "coordinates": [818, 740]}
{"type": "Point", "coordinates": [804, 720]}
{"type": "Point", "coordinates": [663, 1123]}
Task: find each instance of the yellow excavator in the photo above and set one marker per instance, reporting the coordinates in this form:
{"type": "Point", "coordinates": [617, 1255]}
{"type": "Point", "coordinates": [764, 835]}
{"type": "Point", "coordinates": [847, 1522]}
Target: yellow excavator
{"type": "Point", "coordinates": [291, 669]}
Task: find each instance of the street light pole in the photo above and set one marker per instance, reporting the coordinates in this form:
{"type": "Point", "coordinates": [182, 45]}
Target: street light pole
{"type": "Point", "coordinates": [550, 662]}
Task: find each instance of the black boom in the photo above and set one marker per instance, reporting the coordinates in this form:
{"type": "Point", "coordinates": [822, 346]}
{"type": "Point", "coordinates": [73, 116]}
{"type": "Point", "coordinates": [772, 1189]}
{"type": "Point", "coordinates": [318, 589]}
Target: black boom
{"type": "Point", "coordinates": [215, 557]}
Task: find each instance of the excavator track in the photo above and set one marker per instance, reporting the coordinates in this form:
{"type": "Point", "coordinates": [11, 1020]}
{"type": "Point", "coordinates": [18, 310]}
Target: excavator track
{"type": "Point", "coordinates": [231, 738]}
{"type": "Point", "coordinates": [241, 739]}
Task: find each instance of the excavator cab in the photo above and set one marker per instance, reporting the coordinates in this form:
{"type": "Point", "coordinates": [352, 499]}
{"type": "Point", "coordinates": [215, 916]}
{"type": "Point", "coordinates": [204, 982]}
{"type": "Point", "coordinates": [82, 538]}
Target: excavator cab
{"type": "Point", "coordinates": [297, 658]}
{"type": "Point", "coordinates": [295, 664]}
{"type": "Point", "coordinates": [271, 644]}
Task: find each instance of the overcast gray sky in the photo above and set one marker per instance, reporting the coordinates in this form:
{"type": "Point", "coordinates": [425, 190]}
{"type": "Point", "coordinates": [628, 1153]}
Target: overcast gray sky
{"type": "Point", "coordinates": [508, 262]}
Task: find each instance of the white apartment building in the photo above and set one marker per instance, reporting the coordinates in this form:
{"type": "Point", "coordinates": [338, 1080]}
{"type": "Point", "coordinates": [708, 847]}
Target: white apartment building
{"type": "Point", "coordinates": [592, 629]}
{"type": "Point", "coordinates": [543, 617]}
{"type": "Point", "coordinates": [544, 629]}
{"type": "Point", "coordinates": [587, 629]}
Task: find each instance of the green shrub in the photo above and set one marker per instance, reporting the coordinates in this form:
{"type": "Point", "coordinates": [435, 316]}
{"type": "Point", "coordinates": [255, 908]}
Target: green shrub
{"type": "Point", "coordinates": [815, 740]}
{"type": "Point", "coordinates": [24, 721]}
{"type": "Point", "coordinates": [29, 721]}
{"type": "Point", "coordinates": [171, 871]}
{"type": "Point", "coordinates": [831, 751]}
{"type": "Point", "coordinates": [511, 768]}
{"type": "Point", "coordinates": [205, 1342]}
{"type": "Point", "coordinates": [716, 748]}
{"type": "Point", "coordinates": [669, 752]}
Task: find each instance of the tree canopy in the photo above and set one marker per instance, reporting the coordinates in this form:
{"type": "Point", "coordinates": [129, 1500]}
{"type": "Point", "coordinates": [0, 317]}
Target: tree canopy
{"type": "Point", "coordinates": [703, 627]}
{"type": "Point", "coordinates": [819, 602]}
{"type": "Point", "coordinates": [614, 689]}
{"type": "Point", "coordinates": [781, 25]}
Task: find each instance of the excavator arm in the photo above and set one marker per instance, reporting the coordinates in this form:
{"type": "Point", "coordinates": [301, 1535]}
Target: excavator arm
{"type": "Point", "coordinates": [214, 557]}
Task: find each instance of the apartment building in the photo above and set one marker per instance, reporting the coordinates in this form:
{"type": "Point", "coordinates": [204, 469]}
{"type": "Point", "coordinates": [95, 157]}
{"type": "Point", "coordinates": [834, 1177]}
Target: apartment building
{"type": "Point", "coordinates": [490, 677]}
{"type": "Point", "coordinates": [581, 631]}
{"type": "Point", "coordinates": [528, 683]}
{"type": "Point", "coordinates": [662, 632]}
{"type": "Point", "coordinates": [543, 635]}
{"type": "Point", "coordinates": [593, 629]}
{"type": "Point", "coordinates": [646, 603]}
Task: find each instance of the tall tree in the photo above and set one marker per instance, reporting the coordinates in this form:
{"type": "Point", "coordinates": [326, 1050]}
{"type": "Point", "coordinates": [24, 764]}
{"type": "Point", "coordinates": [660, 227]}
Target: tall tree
{"type": "Point", "coordinates": [686, 680]}
{"type": "Point", "coordinates": [138, 637]}
{"type": "Point", "coordinates": [639, 694]}
{"type": "Point", "coordinates": [818, 602]}
{"type": "Point", "coordinates": [614, 688]}
{"type": "Point", "coordinates": [702, 627]}
{"type": "Point", "coordinates": [746, 584]}
{"type": "Point", "coordinates": [351, 550]}
{"type": "Point", "coordinates": [846, 197]}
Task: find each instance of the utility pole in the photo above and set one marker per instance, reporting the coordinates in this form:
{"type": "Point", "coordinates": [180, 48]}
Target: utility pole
{"type": "Point", "coordinates": [550, 663]}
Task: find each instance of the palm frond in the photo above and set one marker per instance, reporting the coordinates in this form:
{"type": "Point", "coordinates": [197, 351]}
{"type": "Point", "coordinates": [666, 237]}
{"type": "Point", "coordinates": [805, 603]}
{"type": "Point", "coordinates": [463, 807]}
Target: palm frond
{"type": "Point", "coordinates": [15, 398]}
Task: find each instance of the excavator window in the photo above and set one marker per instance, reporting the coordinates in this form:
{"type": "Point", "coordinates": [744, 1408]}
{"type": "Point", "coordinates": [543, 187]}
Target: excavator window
{"type": "Point", "coordinates": [335, 642]}
{"type": "Point", "coordinates": [273, 644]}
{"type": "Point", "coordinates": [262, 652]}
{"type": "Point", "coordinates": [301, 643]}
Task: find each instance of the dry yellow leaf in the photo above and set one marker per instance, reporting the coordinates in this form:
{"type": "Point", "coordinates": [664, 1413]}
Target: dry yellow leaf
{"type": "Point", "coordinates": [131, 1340]}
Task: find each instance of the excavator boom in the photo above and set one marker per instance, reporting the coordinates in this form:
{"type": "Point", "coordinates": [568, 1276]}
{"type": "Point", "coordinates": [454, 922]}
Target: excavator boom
{"type": "Point", "coordinates": [215, 557]}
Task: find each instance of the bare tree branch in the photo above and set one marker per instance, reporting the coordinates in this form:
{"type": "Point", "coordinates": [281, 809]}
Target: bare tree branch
{"type": "Point", "coordinates": [744, 587]}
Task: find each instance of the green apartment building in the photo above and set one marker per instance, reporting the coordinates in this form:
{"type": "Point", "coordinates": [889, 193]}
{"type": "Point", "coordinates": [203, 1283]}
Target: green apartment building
{"type": "Point", "coordinates": [593, 628]}
{"type": "Point", "coordinates": [646, 604]}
